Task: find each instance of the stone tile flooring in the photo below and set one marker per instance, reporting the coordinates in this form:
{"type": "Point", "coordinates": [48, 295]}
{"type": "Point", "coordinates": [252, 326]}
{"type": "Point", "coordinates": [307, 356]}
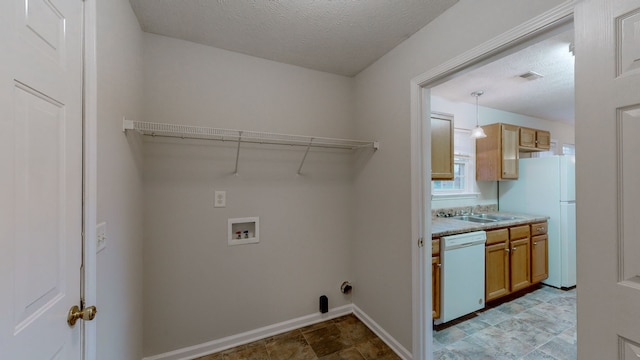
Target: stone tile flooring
{"type": "Point", "coordinates": [343, 338]}
{"type": "Point", "coordinates": [540, 325]}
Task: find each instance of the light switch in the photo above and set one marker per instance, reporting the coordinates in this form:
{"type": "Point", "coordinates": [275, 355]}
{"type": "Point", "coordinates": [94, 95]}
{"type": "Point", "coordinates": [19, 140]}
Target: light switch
{"type": "Point", "coordinates": [220, 199]}
{"type": "Point", "coordinates": [101, 236]}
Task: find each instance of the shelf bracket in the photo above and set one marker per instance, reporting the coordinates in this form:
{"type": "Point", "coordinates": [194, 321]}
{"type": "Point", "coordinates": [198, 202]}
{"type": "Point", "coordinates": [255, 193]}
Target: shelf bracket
{"type": "Point", "coordinates": [305, 156]}
{"type": "Point", "coordinates": [127, 125]}
{"type": "Point", "coordinates": [238, 152]}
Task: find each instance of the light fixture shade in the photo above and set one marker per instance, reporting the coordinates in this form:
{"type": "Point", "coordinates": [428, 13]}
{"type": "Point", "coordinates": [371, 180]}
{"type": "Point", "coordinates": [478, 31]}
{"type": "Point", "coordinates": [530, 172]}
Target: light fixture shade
{"type": "Point", "coordinates": [477, 133]}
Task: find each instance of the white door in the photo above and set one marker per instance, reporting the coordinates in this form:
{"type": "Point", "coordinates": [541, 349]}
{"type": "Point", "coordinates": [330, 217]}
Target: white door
{"type": "Point", "coordinates": [608, 178]}
{"type": "Point", "coordinates": [40, 177]}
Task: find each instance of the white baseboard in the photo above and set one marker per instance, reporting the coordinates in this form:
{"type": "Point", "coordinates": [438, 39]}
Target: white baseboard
{"type": "Point", "coordinates": [195, 351]}
{"type": "Point", "coordinates": [229, 342]}
{"type": "Point", "coordinates": [382, 334]}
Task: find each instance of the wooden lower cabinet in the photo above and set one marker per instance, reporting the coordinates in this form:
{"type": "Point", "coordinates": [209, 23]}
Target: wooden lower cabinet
{"type": "Point", "coordinates": [435, 286]}
{"type": "Point", "coordinates": [436, 265]}
{"type": "Point", "coordinates": [497, 264]}
{"type": "Point", "coordinates": [497, 271]}
{"type": "Point", "coordinates": [539, 258]}
{"type": "Point", "coordinates": [514, 260]}
{"type": "Point", "coordinates": [520, 264]}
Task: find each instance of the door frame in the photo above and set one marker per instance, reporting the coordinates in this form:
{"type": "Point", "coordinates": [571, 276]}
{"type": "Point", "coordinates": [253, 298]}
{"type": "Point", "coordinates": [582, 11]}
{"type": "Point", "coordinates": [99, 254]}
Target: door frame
{"type": "Point", "coordinates": [90, 176]}
{"type": "Point", "coordinates": [508, 42]}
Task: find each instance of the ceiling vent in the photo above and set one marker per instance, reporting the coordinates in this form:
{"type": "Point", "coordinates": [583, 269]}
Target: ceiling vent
{"type": "Point", "coordinates": [531, 76]}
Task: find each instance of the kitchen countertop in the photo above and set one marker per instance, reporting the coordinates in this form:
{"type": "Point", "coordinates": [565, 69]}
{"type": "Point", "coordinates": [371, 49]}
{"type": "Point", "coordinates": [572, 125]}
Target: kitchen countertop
{"type": "Point", "coordinates": [441, 226]}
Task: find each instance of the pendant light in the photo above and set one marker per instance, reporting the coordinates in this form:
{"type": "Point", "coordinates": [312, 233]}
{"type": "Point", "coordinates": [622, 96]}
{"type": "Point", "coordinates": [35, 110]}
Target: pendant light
{"type": "Point", "coordinates": [477, 132]}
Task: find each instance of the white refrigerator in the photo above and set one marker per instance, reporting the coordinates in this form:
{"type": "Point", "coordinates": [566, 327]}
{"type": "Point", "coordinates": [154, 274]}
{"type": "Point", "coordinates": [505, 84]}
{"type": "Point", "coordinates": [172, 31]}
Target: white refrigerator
{"type": "Point", "coordinates": [546, 186]}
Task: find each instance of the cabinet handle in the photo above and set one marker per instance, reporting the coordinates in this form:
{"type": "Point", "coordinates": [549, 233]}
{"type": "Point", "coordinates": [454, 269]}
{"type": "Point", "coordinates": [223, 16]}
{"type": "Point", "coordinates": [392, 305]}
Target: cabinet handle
{"type": "Point", "coordinates": [439, 265]}
{"type": "Point", "coordinates": [507, 250]}
{"type": "Point", "coordinates": [514, 249]}
{"type": "Point", "coordinates": [535, 243]}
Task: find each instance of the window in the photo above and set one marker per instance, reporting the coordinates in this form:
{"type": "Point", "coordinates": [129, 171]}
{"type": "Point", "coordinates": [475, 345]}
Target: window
{"type": "Point", "coordinates": [568, 149]}
{"type": "Point", "coordinates": [460, 178]}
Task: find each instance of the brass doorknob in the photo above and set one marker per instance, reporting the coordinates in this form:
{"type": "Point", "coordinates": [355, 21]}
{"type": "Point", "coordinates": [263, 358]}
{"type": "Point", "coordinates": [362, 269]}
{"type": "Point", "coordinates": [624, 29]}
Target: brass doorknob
{"type": "Point", "coordinates": [87, 314]}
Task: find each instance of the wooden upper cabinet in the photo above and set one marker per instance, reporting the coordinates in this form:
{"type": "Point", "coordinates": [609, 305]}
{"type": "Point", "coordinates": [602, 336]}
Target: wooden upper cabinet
{"type": "Point", "coordinates": [527, 138]}
{"type": "Point", "coordinates": [510, 154]}
{"type": "Point", "coordinates": [441, 146]}
{"type": "Point", "coordinates": [497, 155]}
{"type": "Point", "coordinates": [543, 140]}
{"type": "Point", "coordinates": [534, 140]}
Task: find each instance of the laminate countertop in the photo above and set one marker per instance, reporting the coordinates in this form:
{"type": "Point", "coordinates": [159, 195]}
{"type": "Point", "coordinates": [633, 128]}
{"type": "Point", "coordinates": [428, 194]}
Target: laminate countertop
{"type": "Point", "coordinates": [441, 226]}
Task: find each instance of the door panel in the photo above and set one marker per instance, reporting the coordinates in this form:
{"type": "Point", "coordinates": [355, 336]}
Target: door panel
{"type": "Point", "coordinates": [497, 270]}
{"type": "Point", "coordinates": [608, 235]}
{"type": "Point", "coordinates": [39, 199]}
{"type": "Point", "coordinates": [510, 155]}
{"type": "Point", "coordinates": [520, 264]}
{"type": "Point", "coordinates": [41, 180]}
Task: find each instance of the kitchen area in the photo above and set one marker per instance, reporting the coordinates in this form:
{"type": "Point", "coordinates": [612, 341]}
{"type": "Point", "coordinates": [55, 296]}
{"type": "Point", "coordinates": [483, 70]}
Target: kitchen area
{"type": "Point", "coordinates": [503, 220]}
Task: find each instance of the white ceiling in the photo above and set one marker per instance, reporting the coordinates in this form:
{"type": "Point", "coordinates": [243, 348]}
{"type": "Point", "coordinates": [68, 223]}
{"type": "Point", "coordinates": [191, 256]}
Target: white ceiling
{"type": "Point", "coordinates": [550, 98]}
{"type": "Point", "coordinates": [345, 36]}
{"type": "Point", "coordinates": [337, 36]}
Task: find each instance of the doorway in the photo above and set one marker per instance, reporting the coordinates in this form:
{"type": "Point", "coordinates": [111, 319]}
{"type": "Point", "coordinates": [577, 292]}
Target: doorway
{"type": "Point", "coordinates": [509, 43]}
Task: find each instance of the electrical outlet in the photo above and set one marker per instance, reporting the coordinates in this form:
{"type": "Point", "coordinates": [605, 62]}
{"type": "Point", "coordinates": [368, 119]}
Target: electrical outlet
{"type": "Point", "coordinates": [220, 199]}
{"type": "Point", "coordinates": [101, 236]}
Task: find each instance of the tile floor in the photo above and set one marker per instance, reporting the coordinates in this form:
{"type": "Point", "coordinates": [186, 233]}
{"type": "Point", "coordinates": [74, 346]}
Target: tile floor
{"type": "Point", "coordinates": [540, 325]}
{"type": "Point", "coordinates": [343, 338]}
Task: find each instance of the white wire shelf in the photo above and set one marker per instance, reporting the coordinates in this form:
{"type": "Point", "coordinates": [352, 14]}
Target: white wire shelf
{"type": "Point", "coordinates": [242, 136]}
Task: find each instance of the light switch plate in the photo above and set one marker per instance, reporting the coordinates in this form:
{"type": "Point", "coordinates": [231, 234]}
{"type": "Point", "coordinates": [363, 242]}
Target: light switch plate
{"type": "Point", "coordinates": [220, 199]}
{"type": "Point", "coordinates": [101, 236]}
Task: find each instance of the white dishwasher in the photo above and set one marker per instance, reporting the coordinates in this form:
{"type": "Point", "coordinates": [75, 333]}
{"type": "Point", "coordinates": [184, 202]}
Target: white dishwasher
{"type": "Point", "coordinates": [462, 274]}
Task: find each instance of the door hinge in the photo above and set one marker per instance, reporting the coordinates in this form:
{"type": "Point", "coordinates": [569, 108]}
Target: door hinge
{"type": "Point", "coordinates": [421, 242]}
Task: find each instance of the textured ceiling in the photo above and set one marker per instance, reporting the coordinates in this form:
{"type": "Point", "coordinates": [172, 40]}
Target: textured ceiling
{"type": "Point", "coordinates": [337, 36]}
{"type": "Point", "coordinates": [345, 36]}
{"type": "Point", "coordinates": [550, 97]}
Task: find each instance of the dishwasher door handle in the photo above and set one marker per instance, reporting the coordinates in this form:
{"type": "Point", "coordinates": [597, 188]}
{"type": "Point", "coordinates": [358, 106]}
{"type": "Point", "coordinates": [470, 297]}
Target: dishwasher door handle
{"type": "Point", "coordinates": [461, 246]}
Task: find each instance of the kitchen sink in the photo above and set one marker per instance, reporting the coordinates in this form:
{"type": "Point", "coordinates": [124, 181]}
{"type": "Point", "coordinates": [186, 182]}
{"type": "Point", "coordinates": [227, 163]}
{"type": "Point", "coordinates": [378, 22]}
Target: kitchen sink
{"type": "Point", "coordinates": [474, 219]}
{"type": "Point", "coordinates": [485, 218]}
{"type": "Point", "coordinates": [495, 217]}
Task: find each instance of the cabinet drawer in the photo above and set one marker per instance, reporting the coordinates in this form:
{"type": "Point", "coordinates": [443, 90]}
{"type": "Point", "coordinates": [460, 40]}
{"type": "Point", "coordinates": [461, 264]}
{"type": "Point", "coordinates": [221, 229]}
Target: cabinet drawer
{"type": "Point", "coordinates": [497, 236]}
{"type": "Point", "coordinates": [435, 246]}
{"type": "Point", "coordinates": [519, 232]}
{"type": "Point", "coordinates": [539, 228]}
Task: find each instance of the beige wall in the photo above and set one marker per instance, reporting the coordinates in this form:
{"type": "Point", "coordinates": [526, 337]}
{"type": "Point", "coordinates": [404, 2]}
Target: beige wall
{"type": "Point", "coordinates": [119, 265]}
{"type": "Point", "coordinates": [382, 246]}
{"type": "Point", "coordinates": [306, 221]}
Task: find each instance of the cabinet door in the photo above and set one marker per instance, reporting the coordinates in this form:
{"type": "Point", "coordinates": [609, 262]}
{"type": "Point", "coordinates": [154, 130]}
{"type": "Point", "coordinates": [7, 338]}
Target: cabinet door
{"type": "Point", "coordinates": [510, 153]}
{"type": "Point", "coordinates": [527, 137]}
{"type": "Point", "coordinates": [435, 286]}
{"type": "Point", "coordinates": [520, 264]}
{"type": "Point", "coordinates": [543, 140]}
{"type": "Point", "coordinates": [539, 258]}
{"type": "Point", "coordinates": [441, 146]}
{"type": "Point", "coordinates": [497, 271]}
